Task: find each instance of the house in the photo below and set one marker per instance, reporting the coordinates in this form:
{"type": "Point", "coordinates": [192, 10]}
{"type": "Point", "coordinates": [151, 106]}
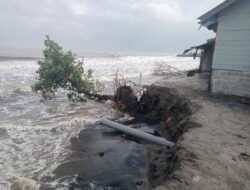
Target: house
{"type": "Point", "coordinates": [229, 58]}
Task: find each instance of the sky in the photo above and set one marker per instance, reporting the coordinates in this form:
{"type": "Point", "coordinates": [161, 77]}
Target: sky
{"type": "Point", "coordinates": [105, 25]}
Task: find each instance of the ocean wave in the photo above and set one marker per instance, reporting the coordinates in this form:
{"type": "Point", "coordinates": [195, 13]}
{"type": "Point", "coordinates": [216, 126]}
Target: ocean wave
{"type": "Point", "coordinates": [24, 91]}
{"type": "Point", "coordinates": [34, 135]}
{"type": "Point", "coordinates": [32, 153]}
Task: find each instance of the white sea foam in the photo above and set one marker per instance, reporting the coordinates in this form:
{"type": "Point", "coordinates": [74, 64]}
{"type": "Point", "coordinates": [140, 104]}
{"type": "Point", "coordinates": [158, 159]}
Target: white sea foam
{"type": "Point", "coordinates": [131, 66]}
{"type": "Point", "coordinates": [34, 135]}
{"type": "Point", "coordinates": [21, 183]}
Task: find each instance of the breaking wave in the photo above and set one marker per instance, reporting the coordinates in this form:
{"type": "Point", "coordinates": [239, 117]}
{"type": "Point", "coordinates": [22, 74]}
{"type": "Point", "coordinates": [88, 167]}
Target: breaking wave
{"type": "Point", "coordinates": [35, 135]}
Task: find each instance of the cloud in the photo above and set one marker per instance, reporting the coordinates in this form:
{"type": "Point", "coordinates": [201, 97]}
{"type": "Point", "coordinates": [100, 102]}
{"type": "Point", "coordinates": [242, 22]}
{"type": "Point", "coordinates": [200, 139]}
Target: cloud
{"type": "Point", "coordinates": [96, 25]}
{"type": "Point", "coordinates": [168, 11]}
{"type": "Point", "coordinates": [78, 8]}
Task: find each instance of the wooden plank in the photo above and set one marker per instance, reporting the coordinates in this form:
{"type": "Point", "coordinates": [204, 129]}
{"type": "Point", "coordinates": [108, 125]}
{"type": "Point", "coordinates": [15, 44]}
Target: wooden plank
{"type": "Point", "coordinates": [233, 38]}
{"type": "Point", "coordinates": [233, 67]}
{"type": "Point", "coordinates": [238, 25]}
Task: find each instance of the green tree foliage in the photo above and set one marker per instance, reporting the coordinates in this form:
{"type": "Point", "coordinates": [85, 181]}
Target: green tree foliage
{"type": "Point", "coordinates": [60, 70]}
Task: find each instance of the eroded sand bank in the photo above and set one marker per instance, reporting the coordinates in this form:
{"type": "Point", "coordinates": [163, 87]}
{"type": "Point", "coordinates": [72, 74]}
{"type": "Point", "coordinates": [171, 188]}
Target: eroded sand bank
{"type": "Point", "coordinates": [217, 154]}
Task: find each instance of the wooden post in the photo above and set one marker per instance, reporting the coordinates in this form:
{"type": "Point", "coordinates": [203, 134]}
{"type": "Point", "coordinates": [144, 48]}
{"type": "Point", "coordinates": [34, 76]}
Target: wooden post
{"type": "Point", "coordinates": [140, 84]}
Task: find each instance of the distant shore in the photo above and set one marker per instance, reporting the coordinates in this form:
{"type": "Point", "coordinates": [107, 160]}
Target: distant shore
{"type": "Point", "coordinates": [9, 58]}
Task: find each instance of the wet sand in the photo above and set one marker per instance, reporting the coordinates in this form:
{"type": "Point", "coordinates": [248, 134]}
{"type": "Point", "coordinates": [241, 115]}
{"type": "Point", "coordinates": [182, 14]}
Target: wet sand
{"type": "Point", "coordinates": [104, 160]}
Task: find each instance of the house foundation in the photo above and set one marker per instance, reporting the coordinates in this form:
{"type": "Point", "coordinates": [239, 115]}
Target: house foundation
{"type": "Point", "coordinates": [231, 82]}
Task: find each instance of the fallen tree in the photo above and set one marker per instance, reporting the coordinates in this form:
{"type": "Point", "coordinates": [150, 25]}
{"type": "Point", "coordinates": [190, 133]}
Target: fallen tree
{"type": "Point", "coordinates": [60, 69]}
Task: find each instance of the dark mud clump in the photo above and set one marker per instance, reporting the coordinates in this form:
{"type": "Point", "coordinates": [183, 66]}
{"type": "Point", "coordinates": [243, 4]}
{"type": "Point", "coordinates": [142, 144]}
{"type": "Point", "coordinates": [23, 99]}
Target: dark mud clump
{"type": "Point", "coordinates": [126, 101]}
{"type": "Point", "coordinates": [156, 105]}
{"type": "Point", "coordinates": [164, 106]}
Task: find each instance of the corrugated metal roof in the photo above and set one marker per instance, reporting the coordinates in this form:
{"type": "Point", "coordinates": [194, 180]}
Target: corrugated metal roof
{"type": "Point", "coordinates": [216, 10]}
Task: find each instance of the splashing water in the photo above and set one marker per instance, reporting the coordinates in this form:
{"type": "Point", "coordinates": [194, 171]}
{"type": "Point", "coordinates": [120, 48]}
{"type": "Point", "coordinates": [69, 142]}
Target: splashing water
{"type": "Point", "coordinates": [35, 135]}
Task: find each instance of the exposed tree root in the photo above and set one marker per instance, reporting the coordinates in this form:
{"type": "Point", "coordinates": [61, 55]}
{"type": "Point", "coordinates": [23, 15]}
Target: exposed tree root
{"type": "Point", "coordinates": [158, 105]}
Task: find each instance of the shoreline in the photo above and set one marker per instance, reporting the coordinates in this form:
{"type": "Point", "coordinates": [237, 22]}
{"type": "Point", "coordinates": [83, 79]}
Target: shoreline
{"type": "Point", "coordinates": [159, 163]}
{"type": "Point", "coordinates": [16, 58]}
{"type": "Point", "coordinates": [180, 168]}
{"type": "Point", "coordinates": [26, 112]}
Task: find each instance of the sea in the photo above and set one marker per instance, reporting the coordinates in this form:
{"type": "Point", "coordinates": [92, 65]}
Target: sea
{"type": "Point", "coordinates": [35, 134]}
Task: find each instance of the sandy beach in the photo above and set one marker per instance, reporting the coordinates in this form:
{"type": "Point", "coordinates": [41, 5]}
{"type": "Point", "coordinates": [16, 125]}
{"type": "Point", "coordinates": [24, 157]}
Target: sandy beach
{"type": "Point", "coordinates": [215, 155]}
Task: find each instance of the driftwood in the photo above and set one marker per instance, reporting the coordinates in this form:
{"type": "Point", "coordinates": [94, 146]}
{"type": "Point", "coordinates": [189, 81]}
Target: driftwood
{"type": "Point", "coordinates": [136, 133]}
{"type": "Point", "coordinates": [100, 97]}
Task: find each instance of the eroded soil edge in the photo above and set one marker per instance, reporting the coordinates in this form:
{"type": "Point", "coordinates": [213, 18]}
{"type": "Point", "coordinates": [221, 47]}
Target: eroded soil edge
{"type": "Point", "coordinates": [163, 106]}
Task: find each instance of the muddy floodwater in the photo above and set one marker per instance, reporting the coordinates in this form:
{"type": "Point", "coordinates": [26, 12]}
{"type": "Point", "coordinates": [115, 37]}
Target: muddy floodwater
{"type": "Point", "coordinates": [50, 144]}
